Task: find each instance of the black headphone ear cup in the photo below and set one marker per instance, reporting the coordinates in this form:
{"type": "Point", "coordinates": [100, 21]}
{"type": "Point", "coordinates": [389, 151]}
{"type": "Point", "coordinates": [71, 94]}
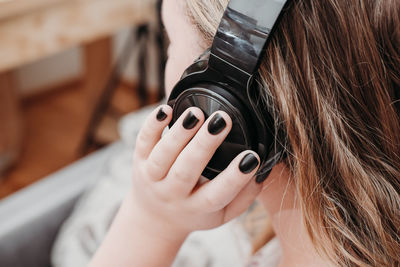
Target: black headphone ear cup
{"type": "Point", "coordinates": [211, 98]}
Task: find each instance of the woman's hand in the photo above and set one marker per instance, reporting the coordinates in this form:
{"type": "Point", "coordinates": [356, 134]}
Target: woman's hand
{"type": "Point", "coordinates": [167, 199]}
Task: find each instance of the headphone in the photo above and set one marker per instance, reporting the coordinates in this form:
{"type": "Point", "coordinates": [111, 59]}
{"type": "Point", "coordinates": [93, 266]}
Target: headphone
{"type": "Point", "coordinates": [223, 79]}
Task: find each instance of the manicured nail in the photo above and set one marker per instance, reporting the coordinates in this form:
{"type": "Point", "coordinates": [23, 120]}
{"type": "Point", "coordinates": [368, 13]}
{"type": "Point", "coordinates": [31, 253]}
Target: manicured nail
{"type": "Point", "coordinates": [248, 163]}
{"type": "Point", "coordinates": [161, 115]}
{"type": "Point", "coordinates": [216, 125]}
{"type": "Point", "coordinates": [262, 177]}
{"type": "Point", "coordinates": [190, 121]}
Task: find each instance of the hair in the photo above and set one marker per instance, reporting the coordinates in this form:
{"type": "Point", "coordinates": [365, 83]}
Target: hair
{"type": "Point", "coordinates": [331, 77]}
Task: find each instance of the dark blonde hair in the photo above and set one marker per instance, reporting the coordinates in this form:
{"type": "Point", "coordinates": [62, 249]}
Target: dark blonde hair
{"type": "Point", "coordinates": [331, 75]}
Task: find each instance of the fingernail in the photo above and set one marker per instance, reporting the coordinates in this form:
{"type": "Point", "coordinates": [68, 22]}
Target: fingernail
{"type": "Point", "coordinates": [248, 163]}
{"type": "Point", "coordinates": [161, 115]}
{"type": "Point", "coordinates": [216, 125]}
{"type": "Point", "coordinates": [190, 121]}
{"type": "Point", "coordinates": [261, 178]}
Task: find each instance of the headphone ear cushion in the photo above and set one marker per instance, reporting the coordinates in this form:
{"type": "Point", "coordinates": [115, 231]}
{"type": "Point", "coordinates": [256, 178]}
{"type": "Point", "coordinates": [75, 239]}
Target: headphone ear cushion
{"type": "Point", "coordinates": [205, 55]}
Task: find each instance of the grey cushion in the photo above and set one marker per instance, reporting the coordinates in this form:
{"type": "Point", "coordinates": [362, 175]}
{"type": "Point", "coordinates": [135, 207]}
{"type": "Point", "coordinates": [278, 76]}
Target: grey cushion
{"type": "Point", "coordinates": [30, 219]}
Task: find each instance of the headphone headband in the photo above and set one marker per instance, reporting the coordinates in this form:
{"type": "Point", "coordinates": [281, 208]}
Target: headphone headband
{"type": "Point", "coordinates": [222, 81]}
{"type": "Point", "coordinates": [243, 34]}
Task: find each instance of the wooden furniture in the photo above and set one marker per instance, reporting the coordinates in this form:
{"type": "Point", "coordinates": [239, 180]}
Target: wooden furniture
{"type": "Point", "coordinates": [34, 29]}
{"type": "Point", "coordinates": [10, 121]}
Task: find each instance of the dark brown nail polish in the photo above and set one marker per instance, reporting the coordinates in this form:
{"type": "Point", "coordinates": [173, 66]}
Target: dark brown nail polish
{"type": "Point", "coordinates": [262, 177]}
{"type": "Point", "coordinates": [248, 163]}
{"type": "Point", "coordinates": [216, 125]}
{"type": "Point", "coordinates": [161, 115]}
{"type": "Point", "coordinates": [190, 121]}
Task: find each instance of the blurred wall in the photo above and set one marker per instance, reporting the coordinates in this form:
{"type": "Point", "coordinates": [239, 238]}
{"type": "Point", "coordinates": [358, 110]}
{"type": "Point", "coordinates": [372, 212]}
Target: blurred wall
{"type": "Point", "coordinates": [67, 66]}
{"type": "Point", "coordinates": [50, 72]}
{"type": "Point", "coordinates": [130, 75]}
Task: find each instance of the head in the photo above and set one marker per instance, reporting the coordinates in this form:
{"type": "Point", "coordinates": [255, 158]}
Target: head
{"type": "Point", "coordinates": [331, 77]}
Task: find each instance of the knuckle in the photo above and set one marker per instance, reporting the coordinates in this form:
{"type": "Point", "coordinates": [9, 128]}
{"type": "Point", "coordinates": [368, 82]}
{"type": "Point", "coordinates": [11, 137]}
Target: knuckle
{"type": "Point", "coordinates": [236, 183]}
{"type": "Point", "coordinates": [163, 195]}
{"type": "Point", "coordinates": [149, 127]}
{"type": "Point", "coordinates": [181, 176]}
{"type": "Point", "coordinates": [170, 143]}
{"type": "Point", "coordinates": [153, 167]}
{"type": "Point", "coordinates": [213, 202]}
{"type": "Point", "coordinates": [202, 143]}
{"type": "Point", "coordinates": [140, 147]}
{"type": "Point", "coordinates": [142, 138]}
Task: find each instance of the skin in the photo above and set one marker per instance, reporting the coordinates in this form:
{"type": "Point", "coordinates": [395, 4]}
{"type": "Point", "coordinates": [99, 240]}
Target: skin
{"type": "Point", "coordinates": [166, 201]}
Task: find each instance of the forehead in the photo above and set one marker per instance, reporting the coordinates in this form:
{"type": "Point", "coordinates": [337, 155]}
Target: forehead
{"type": "Point", "coordinates": [163, 11]}
{"type": "Point", "coordinates": [181, 30]}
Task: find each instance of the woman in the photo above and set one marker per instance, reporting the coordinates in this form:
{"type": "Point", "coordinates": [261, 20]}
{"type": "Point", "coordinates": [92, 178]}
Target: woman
{"type": "Point", "coordinates": [331, 74]}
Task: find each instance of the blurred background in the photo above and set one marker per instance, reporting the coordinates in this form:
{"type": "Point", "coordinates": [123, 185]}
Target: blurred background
{"type": "Point", "coordinates": [77, 80]}
{"type": "Point", "coordinates": [69, 70]}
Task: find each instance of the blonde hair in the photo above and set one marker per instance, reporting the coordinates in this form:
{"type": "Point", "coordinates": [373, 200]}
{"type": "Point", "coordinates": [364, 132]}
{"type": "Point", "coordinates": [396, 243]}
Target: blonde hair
{"type": "Point", "coordinates": [331, 75]}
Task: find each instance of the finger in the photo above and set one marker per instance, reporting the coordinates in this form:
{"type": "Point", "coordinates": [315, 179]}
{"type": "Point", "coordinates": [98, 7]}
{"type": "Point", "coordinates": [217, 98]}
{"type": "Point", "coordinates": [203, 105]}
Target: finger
{"type": "Point", "coordinates": [185, 172]}
{"type": "Point", "coordinates": [218, 193]}
{"type": "Point", "coordinates": [242, 201]}
{"type": "Point", "coordinates": [151, 131]}
{"type": "Point", "coordinates": [168, 148]}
